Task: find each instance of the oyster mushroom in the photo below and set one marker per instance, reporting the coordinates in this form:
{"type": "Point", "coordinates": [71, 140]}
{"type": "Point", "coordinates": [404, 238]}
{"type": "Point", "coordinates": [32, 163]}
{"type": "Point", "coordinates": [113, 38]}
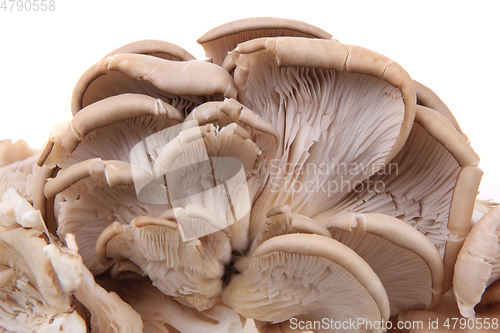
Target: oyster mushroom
{"type": "Point", "coordinates": [314, 102]}
{"type": "Point", "coordinates": [224, 38]}
{"type": "Point", "coordinates": [431, 184]}
{"type": "Point", "coordinates": [407, 263]}
{"type": "Point", "coordinates": [183, 84]}
{"type": "Point", "coordinates": [306, 276]}
{"type": "Point", "coordinates": [189, 271]}
{"type": "Point", "coordinates": [478, 264]}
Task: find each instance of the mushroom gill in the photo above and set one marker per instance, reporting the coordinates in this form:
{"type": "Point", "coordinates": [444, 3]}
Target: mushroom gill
{"type": "Point", "coordinates": [407, 263]}
{"type": "Point", "coordinates": [335, 112]}
{"type": "Point", "coordinates": [431, 184]}
{"type": "Point", "coordinates": [309, 276]}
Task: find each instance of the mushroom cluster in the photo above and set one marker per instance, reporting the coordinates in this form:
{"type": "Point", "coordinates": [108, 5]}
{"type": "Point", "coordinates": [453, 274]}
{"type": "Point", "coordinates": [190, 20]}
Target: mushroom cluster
{"type": "Point", "coordinates": [290, 179]}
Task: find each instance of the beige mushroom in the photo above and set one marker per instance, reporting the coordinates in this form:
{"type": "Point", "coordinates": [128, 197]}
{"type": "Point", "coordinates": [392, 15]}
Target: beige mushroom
{"type": "Point", "coordinates": [408, 264]}
{"type": "Point", "coordinates": [307, 276]}
{"type": "Point", "coordinates": [32, 299]}
{"type": "Point", "coordinates": [156, 48]}
{"type": "Point", "coordinates": [224, 38]}
{"type": "Point", "coordinates": [431, 184]}
{"type": "Point", "coordinates": [315, 92]}
{"type": "Point", "coordinates": [183, 84]}
{"type": "Point", "coordinates": [478, 264]}
{"type": "Point", "coordinates": [85, 202]}
{"type": "Point", "coordinates": [428, 98]}
{"type": "Point", "coordinates": [190, 271]}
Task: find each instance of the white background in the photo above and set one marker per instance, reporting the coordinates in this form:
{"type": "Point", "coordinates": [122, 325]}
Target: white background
{"type": "Point", "coordinates": [450, 46]}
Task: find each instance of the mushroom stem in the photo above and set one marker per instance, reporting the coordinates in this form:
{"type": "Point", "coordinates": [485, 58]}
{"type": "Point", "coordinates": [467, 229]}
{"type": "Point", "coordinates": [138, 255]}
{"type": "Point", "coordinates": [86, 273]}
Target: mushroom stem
{"type": "Point", "coordinates": [102, 241]}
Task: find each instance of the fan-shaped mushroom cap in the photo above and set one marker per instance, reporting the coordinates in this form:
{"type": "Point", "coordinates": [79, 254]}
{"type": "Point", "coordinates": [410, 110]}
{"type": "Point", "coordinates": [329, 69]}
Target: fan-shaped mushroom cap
{"type": "Point", "coordinates": [190, 271]}
{"type": "Point", "coordinates": [407, 263]}
{"type": "Point", "coordinates": [109, 129]}
{"type": "Point", "coordinates": [222, 39]}
{"type": "Point", "coordinates": [183, 84]}
{"type": "Point", "coordinates": [309, 276]}
{"type": "Point", "coordinates": [325, 55]}
{"type": "Point", "coordinates": [92, 194]}
{"type": "Point", "coordinates": [428, 98]}
{"type": "Point", "coordinates": [114, 110]}
{"type": "Point", "coordinates": [431, 184]}
{"type": "Point", "coordinates": [332, 105]}
{"type": "Point", "coordinates": [262, 132]}
{"type": "Point", "coordinates": [478, 263]}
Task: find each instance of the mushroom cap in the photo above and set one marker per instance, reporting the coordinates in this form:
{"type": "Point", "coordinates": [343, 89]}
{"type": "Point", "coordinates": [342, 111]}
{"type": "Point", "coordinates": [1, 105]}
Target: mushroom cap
{"type": "Point", "coordinates": [224, 38]}
{"type": "Point", "coordinates": [92, 194]}
{"type": "Point", "coordinates": [332, 104]}
{"type": "Point", "coordinates": [327, 55]}
{"type": "Point", "coordinates": [281, 221]}
{"type": "Point", "coordinates": [431, 184]}
{"type": "Point", "coordinates": [109, 129]}
{"type": "Point", "coordinates": [190, 271]}
{"type": "Point", "coordinates": [428, 98]}
{"type": "Point", "coordinates": [306, 275]}
{"type": "Point", "coordinates": [113, 110]}
{"type": "Point", "coordinates": [478, 263]}
{"type": "Point", "coordinates": [184, 84]}
{"type": "Point", "coordinates": [408, 264]}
